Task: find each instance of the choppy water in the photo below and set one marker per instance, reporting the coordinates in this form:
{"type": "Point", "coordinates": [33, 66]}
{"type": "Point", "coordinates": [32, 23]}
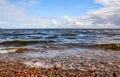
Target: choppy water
{"type": "Point", "coordinates": [58, 37]}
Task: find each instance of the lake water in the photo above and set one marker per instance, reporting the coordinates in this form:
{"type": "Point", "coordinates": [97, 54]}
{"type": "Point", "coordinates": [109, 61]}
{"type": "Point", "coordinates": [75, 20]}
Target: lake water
{"type": "Point", "coordinates": [58, 37]}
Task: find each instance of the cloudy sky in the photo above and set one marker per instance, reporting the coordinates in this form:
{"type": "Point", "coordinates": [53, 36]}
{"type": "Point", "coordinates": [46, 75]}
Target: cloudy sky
{"type": "Point", "coordinates": [59, 13]}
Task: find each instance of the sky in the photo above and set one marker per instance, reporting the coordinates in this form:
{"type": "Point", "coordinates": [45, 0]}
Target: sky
{"type": "Point", "coordinates": [59, 13]}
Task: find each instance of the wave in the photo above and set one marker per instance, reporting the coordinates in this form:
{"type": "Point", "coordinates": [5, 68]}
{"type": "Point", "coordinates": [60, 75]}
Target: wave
{"type": "Point", "coordinates": [6, 50]}
{"type": "Point", "coordinates": [68, 34]}
{"type": "Point", "coordinates": [112, 46]}
{"type": "Point", "coordinates": [56, 45]}
{"type": "Point", "coordinates": [21, 34]}
{"type": "Point", "coordinates": [24, 43]}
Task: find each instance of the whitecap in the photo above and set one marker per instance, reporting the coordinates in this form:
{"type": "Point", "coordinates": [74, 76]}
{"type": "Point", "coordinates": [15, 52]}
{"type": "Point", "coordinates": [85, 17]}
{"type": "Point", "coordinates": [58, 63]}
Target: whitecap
{"type": "Point", "coordinates": [38, 64]}
{"type": "Point", "coordinates": [5, 51]}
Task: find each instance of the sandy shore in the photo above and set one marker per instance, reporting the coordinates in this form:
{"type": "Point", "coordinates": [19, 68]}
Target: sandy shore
{"type": "Point", "coordinates": [64, 63]}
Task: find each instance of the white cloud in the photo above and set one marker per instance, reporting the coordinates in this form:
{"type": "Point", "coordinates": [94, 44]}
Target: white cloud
{"type": "Point", "coordinates": [73, 21]}
{"type": "Point", "coordinates": [18, 17]}
{"type": "Point", "coordinates": [109, 3]}
{"type": "Point", "coordinates": [78, 23]}
{"type": "Point", "coordinates": [109, 14]}
{"type": "Point", "coordinates": [12, 16]}
{"type": "Point", "coordinates": [25, 3]}
{"type": "Point", "coordinates": [68, 18]}
{"type": "Point", "coordinates": [106, 17]}
{"type": "Point", "coordinates": [55, 22]}
{"type": "Point", "coordinates": [9, 12]}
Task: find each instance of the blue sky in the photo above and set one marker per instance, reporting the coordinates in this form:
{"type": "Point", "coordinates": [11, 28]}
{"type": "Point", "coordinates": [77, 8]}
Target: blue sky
{"type": "Point", "coordinates": [60, 7]}
{"type": "Point", "coordinates": [59, 13]}
{"type": "Point", "coordinates": [64, 7]}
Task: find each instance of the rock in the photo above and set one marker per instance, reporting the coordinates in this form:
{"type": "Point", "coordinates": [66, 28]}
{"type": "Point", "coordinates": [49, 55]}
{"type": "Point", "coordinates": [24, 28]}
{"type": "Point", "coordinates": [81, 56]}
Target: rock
{"type": "Point", "coordinates": [93, 68]}
{"type": "Point", "coordinates": [58, 65]}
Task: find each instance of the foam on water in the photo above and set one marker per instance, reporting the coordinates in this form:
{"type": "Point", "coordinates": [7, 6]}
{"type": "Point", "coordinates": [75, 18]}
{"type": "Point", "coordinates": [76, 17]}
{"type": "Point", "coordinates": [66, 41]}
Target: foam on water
{"type": "Point", "coordinates": [54, 53]}
{"type": "Point", "coordinates": [49, 55]}
{"type": "Point", "coordinates": [4, 51]}
{"type": "Point", "coordinates": [38, 64]}
{"type": "Point", "coordinates": [68, 58]}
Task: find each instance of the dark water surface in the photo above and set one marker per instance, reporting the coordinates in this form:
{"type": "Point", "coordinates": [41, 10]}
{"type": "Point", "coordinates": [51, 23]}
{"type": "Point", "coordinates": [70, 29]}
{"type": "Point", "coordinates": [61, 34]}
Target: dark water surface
{"type": "Point", "coordinates": [58, 37]}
